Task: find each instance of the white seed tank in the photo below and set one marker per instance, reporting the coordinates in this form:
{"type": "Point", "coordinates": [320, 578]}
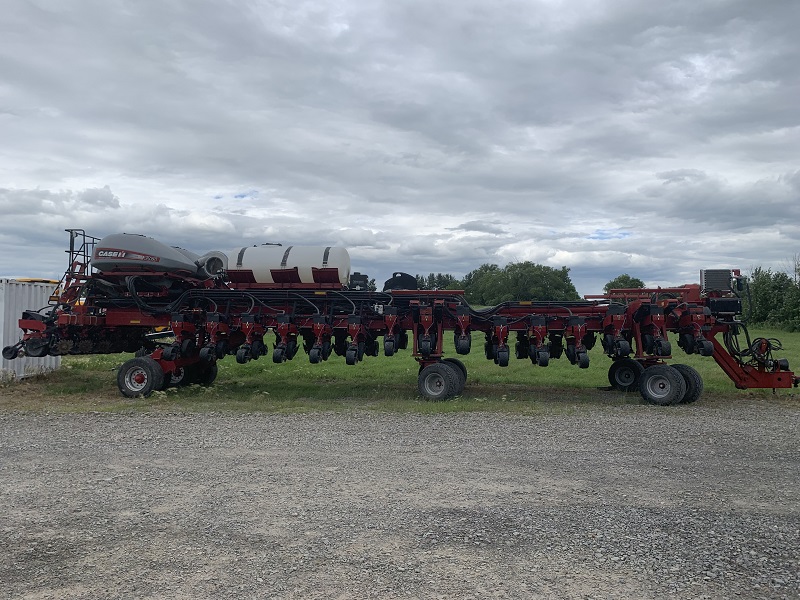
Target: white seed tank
{"type": "Point", "coordinates": [307, 260]}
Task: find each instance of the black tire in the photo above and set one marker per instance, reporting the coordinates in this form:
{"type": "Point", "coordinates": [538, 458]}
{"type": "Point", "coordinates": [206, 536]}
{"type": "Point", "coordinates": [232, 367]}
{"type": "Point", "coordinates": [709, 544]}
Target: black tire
{"type": "Point", "coordinates": [257, 349]}
{"type": "Point", "coordinates": [351, 356]}
{"type": "Point", "coordinates": [583, 360]}
{"type": "Point", "coordinates": [388, 347]}
{"type": "Point", "coordinates": [662, 385]}
{"type": "Point", "coordinates": [461, 368]}
{"type": "Point", "coordinates": [461, 380]}
{"type": "Point", "coordinates": [438, 381]}
{"type": "Point", "coordinates": [662, 347]}
{"type": "Point", "coordinates": [207, 354]}
{"type": "Point", "coordinates": [314, 355]}
{"type": "Point", "coordinates": [622, 348]}
{"type": "Point", "coordinates": [624, 374]}
{"type": "Point", "coordinates": [187, 347]}
{"type": "Point", "coordinates": [424, 346]}
{"type": "Point", "coordinates": [170, 353]}
{"type": "Point", "coordinates": [278, 355]}
{"type": "Point", "coordinates": [207, 376]}
{"type": "Point", "coordinates": [693, 381]}
{"type": "Point", "coordinates": [139, 376]}
{"type": "Point", "coordinates": [10, 352]}
{"type": "Point", "coordinates": [243, 355]}
{"type": "Point", "coordinates": [542, 358]}
{"type": "Point", "coordinates": [463, 344]}
{"type": "Point", "coordinates": [503, 356]}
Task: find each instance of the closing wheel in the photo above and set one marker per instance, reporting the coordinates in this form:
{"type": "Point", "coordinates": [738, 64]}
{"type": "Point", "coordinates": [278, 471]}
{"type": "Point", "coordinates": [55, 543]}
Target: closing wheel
{"type": "Point", "coordinates": [257, 349]}
{"type": "Point", "coordinates": [243, 354]}
{"type": "Point", "coordinates": [351, 356]}
{"type": "Point", "coordinates": [278, 354]}
{"type": "Point", "coordinates": [139, 376]}
{"type": "Point", "coordinates": [326, 350]}
{"type": "Point", "coordinates": [461, 371]}
{"type": "Point", "coordinates": [463, 343]}
{"type": "Point", "coordinates": [424, 345]}
{"type": "Point", "coordinates": [438, 381]}
{"type": "Point", "coordinates": [583, 360]}
{"type": "Point", "coordinates": [388, 346]}
{"type": "Point", "coordinates": [542, 358]}
{"type": "Point", "coordinates": [314, 355]}
{"type": "Point", "coordinates": [662, 347]}
{"type": "Point", "coordinates": [693, 381]}
{"type": "Point", "coordinates": [502, 356]}
{"type": "Point", "coordinates": [170, 353]}
{"type": "Point", "coordinates": [662, 385]}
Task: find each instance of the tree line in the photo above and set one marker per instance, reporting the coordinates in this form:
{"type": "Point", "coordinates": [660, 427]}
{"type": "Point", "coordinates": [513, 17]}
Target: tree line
{"type": "Point", "coordinates": [771, 298]}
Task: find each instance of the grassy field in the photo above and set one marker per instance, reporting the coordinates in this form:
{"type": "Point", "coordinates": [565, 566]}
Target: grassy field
{"type": "Point", "coordinates": [377, 383]}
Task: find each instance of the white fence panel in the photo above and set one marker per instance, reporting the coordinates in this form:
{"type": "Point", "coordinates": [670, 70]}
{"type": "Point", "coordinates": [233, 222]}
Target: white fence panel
{"type": "Point", "coordinates": [15, 297]}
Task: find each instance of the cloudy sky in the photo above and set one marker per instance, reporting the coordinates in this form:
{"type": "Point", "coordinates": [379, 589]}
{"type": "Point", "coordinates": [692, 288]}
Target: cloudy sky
{"type": "Point", "coordinates": [653, 138]}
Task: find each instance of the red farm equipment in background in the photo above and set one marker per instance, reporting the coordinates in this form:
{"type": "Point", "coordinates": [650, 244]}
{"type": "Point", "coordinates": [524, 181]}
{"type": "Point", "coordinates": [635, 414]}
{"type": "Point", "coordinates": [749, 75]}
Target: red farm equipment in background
{"type": "Point", "coordinates": [181, 313]}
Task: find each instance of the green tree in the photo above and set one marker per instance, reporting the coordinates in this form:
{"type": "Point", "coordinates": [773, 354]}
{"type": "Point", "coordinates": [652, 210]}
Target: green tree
{"type": "Point", "coordinates": [773, 299]}
{"type": "Point", "coordinates": [622, 282]}
{"type": "Point", "coordinates": [489, 284]}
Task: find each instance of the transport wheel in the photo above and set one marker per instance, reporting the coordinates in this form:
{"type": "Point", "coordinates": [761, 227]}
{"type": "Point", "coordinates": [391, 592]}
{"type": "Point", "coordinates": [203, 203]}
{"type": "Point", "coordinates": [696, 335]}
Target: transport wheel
{"type": "Point", "coordinates": [207, 376]}
{"type": "Point", "coordinates": [502, 356]}
{"type": "Point", "coordinates": [662, 385]}
{"type": "Point", "coordinates": [314, 355]}
{"type": "Point", "coordinates": [460, 369]}
{"type": "Point", "coordinates": [693, 381]}
{"type": "Point", "coordinates": [624, 374]}
{"type": "Point", "coordinates": [388, 347]}
{"type": "Point", "coordinates": [583, 360]}
{"type": "Point", "coordinates": [438, 381]}
{"type": "Point", "coordinates": [243, 355]}
{"type": "Point", "coordinates": [139, 376]}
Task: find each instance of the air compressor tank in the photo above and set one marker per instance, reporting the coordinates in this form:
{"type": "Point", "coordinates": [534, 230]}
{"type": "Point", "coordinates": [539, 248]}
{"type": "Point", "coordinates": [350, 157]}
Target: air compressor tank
{"type": "Point", "coordinates": [306, 265]}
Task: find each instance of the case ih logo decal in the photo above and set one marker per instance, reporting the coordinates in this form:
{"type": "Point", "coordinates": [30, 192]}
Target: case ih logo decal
{"type": "Point", "coordinates": [125, 255]}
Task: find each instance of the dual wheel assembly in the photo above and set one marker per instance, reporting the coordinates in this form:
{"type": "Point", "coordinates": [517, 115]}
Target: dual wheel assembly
{"type": "Point", "coordinates": [442, 380]}
{"type": "Point", "coordinates": [659, 384]}
{"type": "Point", "coordinates": [141, 376]}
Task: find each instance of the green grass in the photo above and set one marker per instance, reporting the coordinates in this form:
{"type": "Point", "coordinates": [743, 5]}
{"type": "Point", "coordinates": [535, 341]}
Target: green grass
{"type": "Point", "coordinates": [378, 383]}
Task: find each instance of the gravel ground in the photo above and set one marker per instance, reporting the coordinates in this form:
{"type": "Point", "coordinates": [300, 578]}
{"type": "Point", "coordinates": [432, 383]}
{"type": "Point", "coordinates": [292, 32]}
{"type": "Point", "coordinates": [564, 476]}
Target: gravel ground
{"type": "Point", "coordinates": [599, 502]}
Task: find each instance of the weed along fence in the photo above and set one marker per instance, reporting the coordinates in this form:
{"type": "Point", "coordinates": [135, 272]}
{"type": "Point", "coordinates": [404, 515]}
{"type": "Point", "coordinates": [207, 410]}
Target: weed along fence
{"type": "Point", "coordinates": [16, 296]}
{"type": "Point", "coordinates": [181, 313]}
